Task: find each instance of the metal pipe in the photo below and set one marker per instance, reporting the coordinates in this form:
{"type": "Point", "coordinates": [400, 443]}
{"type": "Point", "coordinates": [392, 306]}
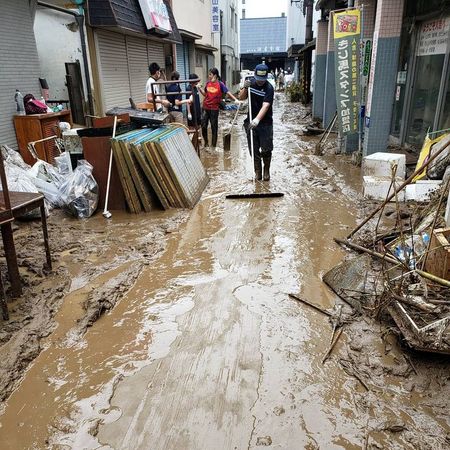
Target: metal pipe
{"type": "Point", "coordinates": [80, 22]}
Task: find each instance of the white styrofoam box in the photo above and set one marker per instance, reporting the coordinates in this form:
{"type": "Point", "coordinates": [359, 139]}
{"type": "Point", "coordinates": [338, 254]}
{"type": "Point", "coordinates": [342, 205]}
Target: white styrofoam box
{"type": "Point", "coordinates": [421, 190]}
{"type": "Point", "coordinates": [376, 188]}
{"type": "Point", "coordinates": [380, 165]}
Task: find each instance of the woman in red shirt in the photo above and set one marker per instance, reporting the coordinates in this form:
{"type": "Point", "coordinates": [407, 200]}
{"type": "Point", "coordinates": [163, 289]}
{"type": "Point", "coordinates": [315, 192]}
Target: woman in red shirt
{"type": "Point", "coordinates": [214, 90]}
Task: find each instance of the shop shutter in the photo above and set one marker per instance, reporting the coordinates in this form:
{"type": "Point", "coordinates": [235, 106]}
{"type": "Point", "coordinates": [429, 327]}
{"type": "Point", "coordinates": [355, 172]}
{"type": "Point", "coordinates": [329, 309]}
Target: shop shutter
{"type": "Point", "coordinates": [19, 63]}
{"type": "Point", "coordinates": [155, 51]}
{"type": "Point", "coordinates": [183, 58]}
{"type": "Point", "coordinates": [113, 69]}
{"type": "Point", "coordinates": [181, 64]}
{"type": "Point", "coordinates": [138, 67]}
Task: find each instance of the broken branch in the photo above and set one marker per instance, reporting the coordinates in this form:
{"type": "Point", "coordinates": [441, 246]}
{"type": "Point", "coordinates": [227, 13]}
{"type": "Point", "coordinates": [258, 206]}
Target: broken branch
{"type": "Point", "coordinates": [316, 307]}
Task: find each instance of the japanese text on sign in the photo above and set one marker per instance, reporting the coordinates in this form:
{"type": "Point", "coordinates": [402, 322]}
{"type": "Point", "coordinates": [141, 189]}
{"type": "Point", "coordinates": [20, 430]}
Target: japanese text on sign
{"type": "Point", "coordinates": [215, 16]}
{"type": "Point", "coordinates": [155, 15]}
{"type": "Point", "coordinates": [347, 42]}
{"type": "Point", "coordinates": [433, 37]}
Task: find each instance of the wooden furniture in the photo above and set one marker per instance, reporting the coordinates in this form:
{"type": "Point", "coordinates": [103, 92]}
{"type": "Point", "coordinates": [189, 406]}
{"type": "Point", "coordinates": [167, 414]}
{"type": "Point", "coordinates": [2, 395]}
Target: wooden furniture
{"type": "Point", "coordinates": [34, 127]}
{"type": "Point", "coordinates": [438, 261]}
{"type": "Point", "coordinates": [13, 205]}
{"type": "Point", "coordinates": [147, 106]}
{"type": "Point", "coordinates": [97, 151]}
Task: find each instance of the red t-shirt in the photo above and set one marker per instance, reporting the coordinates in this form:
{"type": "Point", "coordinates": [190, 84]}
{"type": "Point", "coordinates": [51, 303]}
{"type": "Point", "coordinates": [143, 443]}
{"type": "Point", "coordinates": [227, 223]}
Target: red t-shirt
{"type": "Point", "coordinates": [214, 91]}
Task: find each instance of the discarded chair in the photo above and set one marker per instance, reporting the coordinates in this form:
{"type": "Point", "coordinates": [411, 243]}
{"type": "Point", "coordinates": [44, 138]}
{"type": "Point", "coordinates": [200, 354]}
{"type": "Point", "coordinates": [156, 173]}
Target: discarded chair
{"type": "Point", "coordinates": [13, 205]}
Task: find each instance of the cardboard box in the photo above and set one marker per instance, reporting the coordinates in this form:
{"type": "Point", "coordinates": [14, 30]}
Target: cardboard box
{"type": "Point", "coordinates": [438, 261]}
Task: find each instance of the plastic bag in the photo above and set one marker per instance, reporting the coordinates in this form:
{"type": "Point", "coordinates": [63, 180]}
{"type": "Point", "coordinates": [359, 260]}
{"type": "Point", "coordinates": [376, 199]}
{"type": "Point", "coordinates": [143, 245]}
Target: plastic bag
{"type": "Point", "coordinates": [79, 193]}
{"type": "Point", "coordinates": [47, 180]}
{"type": "Point", "coordinates": [10, 156]}
{"type": "Point", "coordinates": [63, 164]}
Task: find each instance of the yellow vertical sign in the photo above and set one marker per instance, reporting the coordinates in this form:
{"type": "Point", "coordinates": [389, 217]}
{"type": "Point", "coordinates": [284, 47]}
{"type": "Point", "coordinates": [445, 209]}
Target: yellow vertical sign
{"type": "Point", "coordinates": [347, 33]}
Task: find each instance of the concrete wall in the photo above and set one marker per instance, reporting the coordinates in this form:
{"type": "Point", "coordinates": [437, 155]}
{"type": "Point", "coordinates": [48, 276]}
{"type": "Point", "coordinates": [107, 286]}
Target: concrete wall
{"type": "Point", "coordinates": [19, 62]}
{"type": "Point", "coordinates": [320, 68]}
{"type": "Point", "coordinates": [383, 72]}
{"type": "Point", "coordinates": [58, 41]}
{"type": "Point", "coordinates": [329, 107]}
{"type": "Point", "coordinates": [295, 24]}
{"type": "Point", "coordinates": [194, 16]}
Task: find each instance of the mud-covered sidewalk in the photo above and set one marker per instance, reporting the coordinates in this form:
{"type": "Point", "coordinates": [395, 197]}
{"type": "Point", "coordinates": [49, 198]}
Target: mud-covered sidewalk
{"type": "Point", "coordinates": [175, 330]}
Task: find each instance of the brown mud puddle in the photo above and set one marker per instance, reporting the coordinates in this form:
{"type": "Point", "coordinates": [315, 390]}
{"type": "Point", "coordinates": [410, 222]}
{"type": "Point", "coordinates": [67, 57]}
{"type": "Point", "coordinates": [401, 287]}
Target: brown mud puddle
{"type": "Point", "coordinates": [202, 348]}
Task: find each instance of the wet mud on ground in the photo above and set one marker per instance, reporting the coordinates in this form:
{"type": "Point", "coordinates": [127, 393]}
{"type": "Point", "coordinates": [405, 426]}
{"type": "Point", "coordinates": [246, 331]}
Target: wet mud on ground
{"type": "Point", "coordinates": [175, 330]}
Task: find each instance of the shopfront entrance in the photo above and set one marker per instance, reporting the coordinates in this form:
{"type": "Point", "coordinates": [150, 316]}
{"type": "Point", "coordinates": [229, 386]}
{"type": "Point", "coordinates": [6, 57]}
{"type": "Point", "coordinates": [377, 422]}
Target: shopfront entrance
{"type": "Point", "coordinates": [422, 99]}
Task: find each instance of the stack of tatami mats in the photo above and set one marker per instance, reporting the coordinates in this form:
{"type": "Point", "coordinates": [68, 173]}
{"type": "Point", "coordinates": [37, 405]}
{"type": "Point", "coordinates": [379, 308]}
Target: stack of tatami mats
{"type": "Point", "coordinates": [159, 164]}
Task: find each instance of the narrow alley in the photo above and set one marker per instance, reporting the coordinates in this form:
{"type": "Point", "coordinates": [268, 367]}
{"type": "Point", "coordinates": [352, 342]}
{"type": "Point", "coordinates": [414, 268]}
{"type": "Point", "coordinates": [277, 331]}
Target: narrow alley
{"type": "Point", "coordinates": [204, 348]}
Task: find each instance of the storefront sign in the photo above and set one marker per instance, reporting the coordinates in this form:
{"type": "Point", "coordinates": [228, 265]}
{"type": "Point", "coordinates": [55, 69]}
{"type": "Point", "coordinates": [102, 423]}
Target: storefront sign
{"type": "Point", "coordinates": [215, 16]}
{"type": "Point", "coordinates": [156, 16]}
{"type": "Point", "coordinates": [433, 37]}
{"type": "Point", "coordinates": [346, 33]}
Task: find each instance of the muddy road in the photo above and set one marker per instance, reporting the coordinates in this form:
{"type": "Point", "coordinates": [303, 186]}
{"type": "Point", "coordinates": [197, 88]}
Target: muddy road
{"type": "Point", "coordinates": [175, 330]}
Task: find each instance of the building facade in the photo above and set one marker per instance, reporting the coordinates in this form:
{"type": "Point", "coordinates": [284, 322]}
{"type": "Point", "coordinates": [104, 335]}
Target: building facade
{"type": "Point", "coordinates": [405, 72]}
{"type": "Point", "coordinates": [197, 52]}
{"type": "Point", "coordinates": [19, 61]}
{"type": "Point", "coordinates": [228, 43]}
{"type": "Point", "coordinates": [264, 39]}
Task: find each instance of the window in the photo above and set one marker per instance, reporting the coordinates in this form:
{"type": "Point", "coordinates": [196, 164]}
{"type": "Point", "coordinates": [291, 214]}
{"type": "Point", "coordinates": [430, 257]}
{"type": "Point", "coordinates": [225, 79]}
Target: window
{"type": "Point", "coordinates": [236, 22]}
{"type": "Point", "coordinates": [232, 18]}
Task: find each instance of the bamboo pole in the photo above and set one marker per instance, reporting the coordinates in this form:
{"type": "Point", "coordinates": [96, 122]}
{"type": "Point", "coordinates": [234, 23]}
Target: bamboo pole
{"type": "Point", "coordinates": [316, 307]}
{"type": "Point", "coordinates": [387, 258]}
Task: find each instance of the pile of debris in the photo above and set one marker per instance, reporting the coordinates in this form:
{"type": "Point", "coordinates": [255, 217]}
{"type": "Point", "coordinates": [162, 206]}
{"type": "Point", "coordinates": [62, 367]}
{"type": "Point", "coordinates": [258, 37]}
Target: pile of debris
{"type": "Point", "coordinates": [73, 190]}
{"type": "Point", "coordinates": [405, 267]}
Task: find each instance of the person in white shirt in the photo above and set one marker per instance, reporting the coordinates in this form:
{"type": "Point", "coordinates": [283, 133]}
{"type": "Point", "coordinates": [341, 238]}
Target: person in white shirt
{"type": "Point", "coordinates": [155, 75]}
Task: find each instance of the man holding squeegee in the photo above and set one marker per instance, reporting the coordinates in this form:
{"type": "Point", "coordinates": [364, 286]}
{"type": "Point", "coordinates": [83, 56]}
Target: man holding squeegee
{"type": "Point", "coordinates": [260, 93]}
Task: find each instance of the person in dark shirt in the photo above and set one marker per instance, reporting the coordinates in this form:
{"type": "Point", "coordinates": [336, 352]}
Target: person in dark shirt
{"type": "Point", "coordinates": [194, 109]}
{"type": "Point", "coordinates": [176, 101]}
{"type": "Point", "coordinates": [261, 122]}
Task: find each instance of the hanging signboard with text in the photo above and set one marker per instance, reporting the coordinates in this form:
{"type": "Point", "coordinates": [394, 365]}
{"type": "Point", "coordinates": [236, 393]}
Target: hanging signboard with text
{"type": "Point", "coordinates": [156, 15]}
{"type": "Point", "coordinates": [215, 16]}
{"type": "Point", "coordinates": [346, 33]}
{"type": "Point", "coordinates": [433, 37]}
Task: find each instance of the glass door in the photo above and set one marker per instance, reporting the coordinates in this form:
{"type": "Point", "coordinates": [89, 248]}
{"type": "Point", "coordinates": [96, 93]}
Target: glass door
{"type": "Point", "coordinates": [429, 81]}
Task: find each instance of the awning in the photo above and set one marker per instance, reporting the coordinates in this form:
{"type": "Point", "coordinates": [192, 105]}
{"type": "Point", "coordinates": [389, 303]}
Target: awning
{"type": "Point", "coordinates": [189, 34]}
{"type": "Point", "coordinates": [125, 16]}
{"type": "Point", "coordinates": [294, 49]}
{"type": "Point", "coordinates": [311, 45]}
{"type": "Point", "coordinates": [206, 48]}
{"type": "Point", "coordinates": [329, 4]}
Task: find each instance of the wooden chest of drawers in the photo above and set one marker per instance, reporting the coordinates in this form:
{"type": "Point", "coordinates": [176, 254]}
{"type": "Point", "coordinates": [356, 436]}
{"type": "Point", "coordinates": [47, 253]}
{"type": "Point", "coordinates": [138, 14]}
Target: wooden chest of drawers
{"type": "Point", "coordinates": [39, 126]}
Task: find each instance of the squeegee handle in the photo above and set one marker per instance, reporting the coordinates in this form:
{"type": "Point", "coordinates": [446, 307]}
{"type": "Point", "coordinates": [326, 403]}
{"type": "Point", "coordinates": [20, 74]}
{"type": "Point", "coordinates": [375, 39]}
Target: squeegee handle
{"type": "Point", "coordinates": [251, 118]}
{"type": "Point", "coordinates": [110, 167]}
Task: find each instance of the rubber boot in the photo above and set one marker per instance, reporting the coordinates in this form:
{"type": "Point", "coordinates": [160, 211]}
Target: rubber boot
{"type": "Point", "coordinates": [267, 160]}
{"type": "Point", "coordinates": [258, 169]}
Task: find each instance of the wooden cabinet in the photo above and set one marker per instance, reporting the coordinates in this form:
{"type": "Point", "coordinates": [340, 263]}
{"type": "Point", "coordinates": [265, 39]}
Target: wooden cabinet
{"type": "Point", "coordinates": [34, 127]}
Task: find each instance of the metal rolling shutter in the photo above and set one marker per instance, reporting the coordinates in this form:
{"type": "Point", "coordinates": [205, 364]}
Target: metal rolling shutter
{"type": "Point", "coordinates": [181, 66]}
{"type": "Point", "coordinates": [155, 52]}
{"type": "Point", "coordinates": [183, 55]}
{"type": "Point", "coordinates": [113, 68]}
{"type": "Point", "coordinates": [19, 63]}
{"type": "Point", "coordinates": [138, 67]}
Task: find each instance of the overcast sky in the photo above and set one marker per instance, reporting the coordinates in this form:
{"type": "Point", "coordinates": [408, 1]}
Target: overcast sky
{"type": "Point", "coordinates": [264, 8]}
